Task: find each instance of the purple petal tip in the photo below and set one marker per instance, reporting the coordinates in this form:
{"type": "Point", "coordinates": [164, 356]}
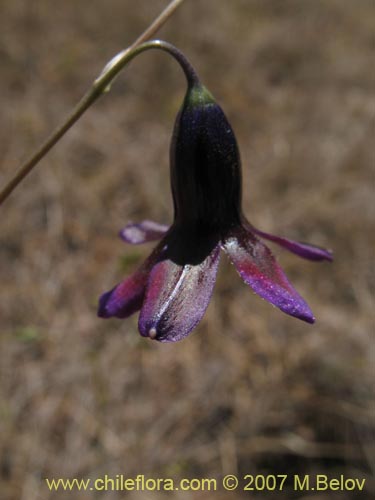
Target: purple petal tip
{"type": "Point", "coordinates": [300, 248]}
{"type": "Point", "coordinates": [103, 311]}
{"type": "Point", "coordinates": [306, 316]}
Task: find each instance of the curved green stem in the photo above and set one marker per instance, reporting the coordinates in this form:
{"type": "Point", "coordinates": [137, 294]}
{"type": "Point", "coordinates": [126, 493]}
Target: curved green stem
{"type": "Point", "coordinates": [115, 65]}
{"type": "Point", "coordinates": [101, 85]}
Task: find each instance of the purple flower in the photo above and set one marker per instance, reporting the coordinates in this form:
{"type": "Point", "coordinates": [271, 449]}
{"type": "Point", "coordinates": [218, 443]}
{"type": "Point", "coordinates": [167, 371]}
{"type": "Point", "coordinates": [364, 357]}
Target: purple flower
{"type": "Point", "coordinates": [173, 287]}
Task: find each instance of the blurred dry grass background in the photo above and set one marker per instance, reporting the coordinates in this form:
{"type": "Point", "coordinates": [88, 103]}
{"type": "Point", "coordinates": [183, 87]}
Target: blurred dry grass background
{"type": "Point", "coordinates": [251, 390]}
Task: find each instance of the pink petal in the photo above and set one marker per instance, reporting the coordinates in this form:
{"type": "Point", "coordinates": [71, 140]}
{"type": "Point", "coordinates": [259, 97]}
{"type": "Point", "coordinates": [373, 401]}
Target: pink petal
{"type": "Point", "coordinates": [177, 297]}
{"type": "Point", "coordinates": [259, 269]}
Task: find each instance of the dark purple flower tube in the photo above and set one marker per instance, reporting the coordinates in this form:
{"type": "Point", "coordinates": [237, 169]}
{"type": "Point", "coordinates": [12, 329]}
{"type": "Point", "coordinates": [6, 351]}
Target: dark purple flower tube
{"type": "Point", "coordinates": [205, 165]}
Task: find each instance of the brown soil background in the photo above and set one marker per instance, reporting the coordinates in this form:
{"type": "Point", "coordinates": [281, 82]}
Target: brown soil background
{"type": "Point", "coordinates": [251, 390]}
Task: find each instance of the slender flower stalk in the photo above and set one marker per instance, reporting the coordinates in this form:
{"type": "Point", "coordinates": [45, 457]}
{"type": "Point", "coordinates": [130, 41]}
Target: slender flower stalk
{"type": "Point", "coordinates": [100, 86]}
